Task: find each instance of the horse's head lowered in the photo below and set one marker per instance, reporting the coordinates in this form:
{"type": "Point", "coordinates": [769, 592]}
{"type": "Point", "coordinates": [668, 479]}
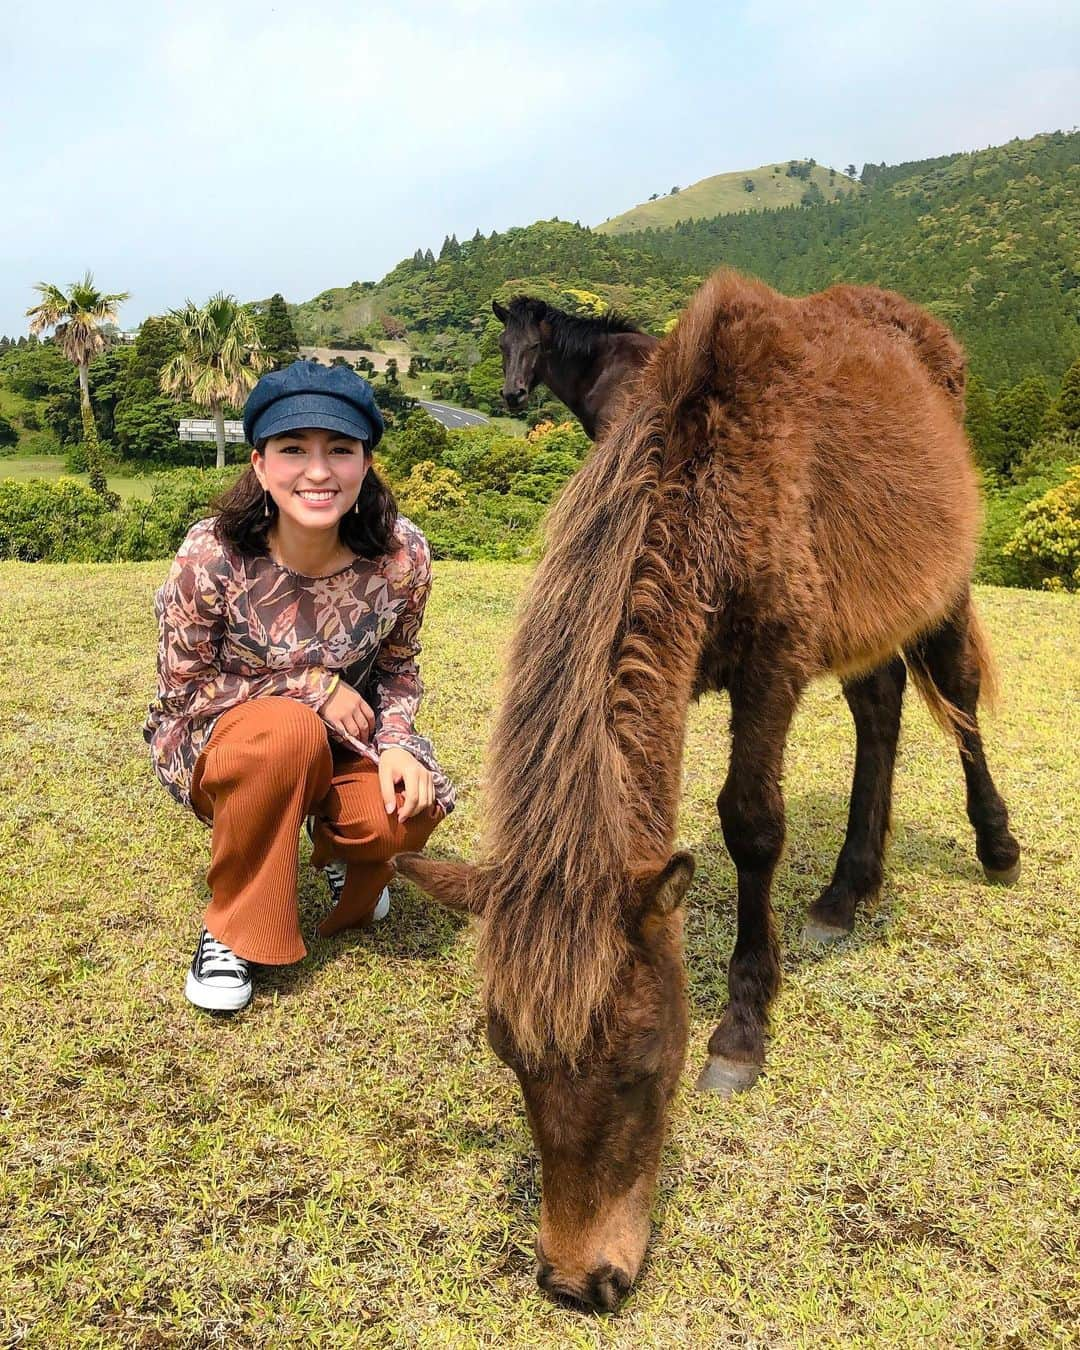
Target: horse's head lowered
{"type": "Point", "coordinates": [597, 1118]}
{"type": "Point", "coordinates": [522, 340]}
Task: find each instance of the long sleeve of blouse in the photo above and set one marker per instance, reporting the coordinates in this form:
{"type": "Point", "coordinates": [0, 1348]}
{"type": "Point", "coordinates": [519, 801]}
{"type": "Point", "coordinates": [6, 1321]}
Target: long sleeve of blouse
{"type": "Point", "coordinates": [232, 628]}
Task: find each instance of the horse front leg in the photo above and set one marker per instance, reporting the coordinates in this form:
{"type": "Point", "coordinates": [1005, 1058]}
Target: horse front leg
{"type": "Point", "coordinates": [751, 807]}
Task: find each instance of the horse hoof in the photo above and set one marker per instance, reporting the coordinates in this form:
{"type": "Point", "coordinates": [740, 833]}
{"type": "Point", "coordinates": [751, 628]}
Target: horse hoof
{"type": "Point", "coordinates": [818, 934]}
{"type": "Point", "coordinates": [1004, 876]}
{"type": "Point", "coordinates": [724, 1077]}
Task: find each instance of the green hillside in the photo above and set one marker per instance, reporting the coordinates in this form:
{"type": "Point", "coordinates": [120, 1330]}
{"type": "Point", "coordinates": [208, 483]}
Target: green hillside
{"type": "Point", "coordinates": [769, 186]}
{"type": "Point", "coordinates": [453, 291]}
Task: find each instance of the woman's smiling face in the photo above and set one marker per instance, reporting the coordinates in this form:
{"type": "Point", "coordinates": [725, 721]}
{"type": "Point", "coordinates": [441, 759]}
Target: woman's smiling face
{"type": "Point", "coordinates": [314, 476]}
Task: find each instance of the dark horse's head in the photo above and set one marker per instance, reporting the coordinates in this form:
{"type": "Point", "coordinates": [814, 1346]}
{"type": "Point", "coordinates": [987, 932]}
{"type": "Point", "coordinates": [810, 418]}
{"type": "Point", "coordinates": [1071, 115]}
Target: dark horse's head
{"type": "Point", "coordinates": [526, 331]}
{"type": "Point", "coordinates": [597, 1116]}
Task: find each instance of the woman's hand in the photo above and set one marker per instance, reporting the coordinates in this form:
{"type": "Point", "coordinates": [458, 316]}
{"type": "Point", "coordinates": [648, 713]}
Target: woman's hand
{"type": "Point", "coordinates": [397, 766]}
{"type": "Point", "coordinates": [348, 712]}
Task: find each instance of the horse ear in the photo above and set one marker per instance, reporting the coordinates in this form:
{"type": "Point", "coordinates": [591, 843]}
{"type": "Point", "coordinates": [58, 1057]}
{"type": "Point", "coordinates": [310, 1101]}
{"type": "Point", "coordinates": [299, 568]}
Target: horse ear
{"type": "Point", "coordinates": [452, 884]}
{"type": "Point", "coordinates": [500, 311]}
{"type": "Point", "coordinates": [663, 891]}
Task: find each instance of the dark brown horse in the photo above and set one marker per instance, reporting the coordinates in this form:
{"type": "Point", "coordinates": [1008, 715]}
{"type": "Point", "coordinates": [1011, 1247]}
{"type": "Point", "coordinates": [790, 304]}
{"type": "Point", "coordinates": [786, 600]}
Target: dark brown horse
{"type": "Point", "coordinates": [584, 361]}
{"type": "Point", "coordinates": [788, 492]}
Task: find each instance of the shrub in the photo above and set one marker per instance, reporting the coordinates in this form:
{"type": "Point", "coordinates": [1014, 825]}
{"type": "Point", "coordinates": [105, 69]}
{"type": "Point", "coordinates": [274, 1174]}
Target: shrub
{"type": "Point", "coordinates": [63, 521]}
{"type": "Point", "coordinates": [156, 528]}
{"type": "Point", "coordinates": [40, 445]}
{"type": "Point", "coordinates": [75, 459]}
{"type": "Point", "coordinates": [1046, 546]}
{"type": "Point", "coordinates": [52, 521]}
{"type": "Point", "coordinates": [8, 435]}
{"type": "Point", "coordinates": [1048, 457]}
{"type": "Point", "coordinates": [486, 459]}
{"type": "Point", "coordinates": [496, 527]}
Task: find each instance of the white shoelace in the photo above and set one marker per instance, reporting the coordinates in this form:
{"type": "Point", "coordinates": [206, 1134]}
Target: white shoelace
{"type": "Point", "coordinates": [218, 962]}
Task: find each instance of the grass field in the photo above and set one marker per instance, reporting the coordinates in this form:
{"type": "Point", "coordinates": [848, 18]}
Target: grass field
{"type": "Point", "coordinates": [24, 467]}
{"type": "Point", "coordinates": [724, 194]}
{"type": "Point", "coordinates": [345, 1163]}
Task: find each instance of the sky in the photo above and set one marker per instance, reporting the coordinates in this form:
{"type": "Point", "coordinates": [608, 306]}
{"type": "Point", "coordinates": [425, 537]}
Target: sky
{"type": "Point", "coordinates": [180, 149]}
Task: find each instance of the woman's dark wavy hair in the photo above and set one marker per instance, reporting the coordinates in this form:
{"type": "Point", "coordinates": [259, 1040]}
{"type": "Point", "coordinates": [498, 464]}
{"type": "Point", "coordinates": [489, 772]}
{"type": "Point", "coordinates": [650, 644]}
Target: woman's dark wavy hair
{"type": "Point", "coordinates": [367, 528]}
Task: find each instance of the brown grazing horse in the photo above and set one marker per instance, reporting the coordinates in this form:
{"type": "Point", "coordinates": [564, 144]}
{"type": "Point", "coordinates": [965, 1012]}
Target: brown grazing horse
{"type": "Point", "coordinates": [584, 361]}
{"type": "Point", "coordinates": [787, 493]}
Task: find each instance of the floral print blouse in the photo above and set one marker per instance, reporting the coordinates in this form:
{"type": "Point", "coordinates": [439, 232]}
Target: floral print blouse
{"type": "Point", "coordinates": [232, 627]}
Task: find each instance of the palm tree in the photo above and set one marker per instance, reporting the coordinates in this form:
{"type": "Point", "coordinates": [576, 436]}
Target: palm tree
{"type": "Point", "coordinates": [219, 360]}
{"type": "Point", "coordinates": [78, 318]}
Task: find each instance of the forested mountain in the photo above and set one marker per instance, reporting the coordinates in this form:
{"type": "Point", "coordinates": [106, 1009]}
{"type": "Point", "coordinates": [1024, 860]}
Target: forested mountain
{"type": "Point", "coordinates": [990, 241]}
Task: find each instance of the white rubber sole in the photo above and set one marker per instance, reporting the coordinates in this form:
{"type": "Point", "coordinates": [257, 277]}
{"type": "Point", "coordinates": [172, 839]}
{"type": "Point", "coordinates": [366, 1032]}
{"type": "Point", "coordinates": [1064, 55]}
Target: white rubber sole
{"type": "Point", "coordinates": [214, 998]}
{"type": "Point", "coordinates": [382, 905]}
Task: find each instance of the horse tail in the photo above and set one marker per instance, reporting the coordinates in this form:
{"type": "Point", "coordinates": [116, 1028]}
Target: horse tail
{"type": "Point", "coordinates": [732, 337]}
{"type": "Point", "coordinates": [980, 665]}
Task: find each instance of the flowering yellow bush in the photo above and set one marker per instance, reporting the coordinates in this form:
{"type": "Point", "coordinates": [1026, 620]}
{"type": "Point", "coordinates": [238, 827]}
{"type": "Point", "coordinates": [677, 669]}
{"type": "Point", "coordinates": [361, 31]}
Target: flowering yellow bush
{"type": "Point", "coordinates": [541, 430]}
{"type": "Point", "coordinates": [1047, 542]}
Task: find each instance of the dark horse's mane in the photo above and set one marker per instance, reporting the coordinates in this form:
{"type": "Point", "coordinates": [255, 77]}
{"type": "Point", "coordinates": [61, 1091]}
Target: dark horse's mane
{"type": "Point", "coordinates": [573, 336]}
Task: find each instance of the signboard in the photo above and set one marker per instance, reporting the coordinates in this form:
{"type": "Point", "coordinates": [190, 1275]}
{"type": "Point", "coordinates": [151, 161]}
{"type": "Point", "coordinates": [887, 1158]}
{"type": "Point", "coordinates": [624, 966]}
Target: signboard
{"type": "Point", "coordinates": [202, 429]}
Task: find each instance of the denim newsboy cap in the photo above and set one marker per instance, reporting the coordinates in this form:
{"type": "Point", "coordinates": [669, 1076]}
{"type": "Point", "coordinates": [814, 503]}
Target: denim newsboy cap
{"type": "Point", "coordinates": [306, 394]}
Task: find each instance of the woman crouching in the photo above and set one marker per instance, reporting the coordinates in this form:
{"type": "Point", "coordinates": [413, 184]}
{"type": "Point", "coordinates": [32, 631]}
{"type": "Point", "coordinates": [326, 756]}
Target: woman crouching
{"type": "Point", "coordinates": [287, 680]}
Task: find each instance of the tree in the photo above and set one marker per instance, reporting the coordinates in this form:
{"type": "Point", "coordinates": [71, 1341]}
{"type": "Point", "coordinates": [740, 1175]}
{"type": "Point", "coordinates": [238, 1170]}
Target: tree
{"type": "Point", "coordinates": [218, 361]}
{"type": "Point", "coordinates": [1019, 413]}
{"type": "Point", "coordinates": [277, 335]}
{"type": "Point", "coordinates": [981, 424]}
{"type": "Point", "coordinates": [391, 371]}
{"type": "Point", "coordinates": [748, 185]}
{"type": "Point", "coordinates": [1066, 409]}
{"type": "Point", "coordinates": [851, 171]}
{"type": "Point", "coordinates": [77, 319]}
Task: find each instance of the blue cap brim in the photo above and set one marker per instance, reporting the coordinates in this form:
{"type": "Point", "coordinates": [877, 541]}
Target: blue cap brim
{"type": "Point", "coordinates": [297, 412]}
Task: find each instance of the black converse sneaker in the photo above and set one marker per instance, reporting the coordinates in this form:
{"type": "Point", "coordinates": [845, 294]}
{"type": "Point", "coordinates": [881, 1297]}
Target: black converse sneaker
{"type": "Point", "coordinates": [218, 980]}
{"type": "Point", "coordinates": [334, 872]}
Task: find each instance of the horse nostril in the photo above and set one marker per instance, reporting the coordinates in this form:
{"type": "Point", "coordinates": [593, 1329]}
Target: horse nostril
{"type": "Point", "coordinates": [608, 1286]}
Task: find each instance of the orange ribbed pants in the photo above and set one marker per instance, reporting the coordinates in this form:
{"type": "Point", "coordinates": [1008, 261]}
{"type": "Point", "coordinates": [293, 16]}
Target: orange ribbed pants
{"type": "Point", "coordinates": [268, 765]}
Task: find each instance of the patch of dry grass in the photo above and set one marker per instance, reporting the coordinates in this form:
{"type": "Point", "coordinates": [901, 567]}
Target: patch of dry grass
{"type": "Point", "coordinates": [345, 1163]}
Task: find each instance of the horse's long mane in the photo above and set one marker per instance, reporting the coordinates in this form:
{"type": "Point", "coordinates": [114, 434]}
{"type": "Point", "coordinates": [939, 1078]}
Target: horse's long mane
{"type": "Point", "coordinates": [573, 336]}
{"type": "Point", "coordinates": [585, 758]}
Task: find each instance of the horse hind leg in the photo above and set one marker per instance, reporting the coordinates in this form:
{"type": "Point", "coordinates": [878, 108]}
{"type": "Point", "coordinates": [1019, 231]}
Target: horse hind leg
{"type": "Point", "coordinates": [875, 701]}
{"type": "Point", "coordinates": [951, 664]}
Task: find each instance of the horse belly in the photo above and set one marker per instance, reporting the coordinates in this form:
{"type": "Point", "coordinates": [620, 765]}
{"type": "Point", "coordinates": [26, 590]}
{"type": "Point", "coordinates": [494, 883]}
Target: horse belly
{"type": "Point", "coordinates": [896, 530]}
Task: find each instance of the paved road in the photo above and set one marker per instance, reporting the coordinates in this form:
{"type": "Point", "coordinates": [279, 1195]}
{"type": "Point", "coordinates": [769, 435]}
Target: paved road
{"type": "Point", "coordinates": [452, 417]}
